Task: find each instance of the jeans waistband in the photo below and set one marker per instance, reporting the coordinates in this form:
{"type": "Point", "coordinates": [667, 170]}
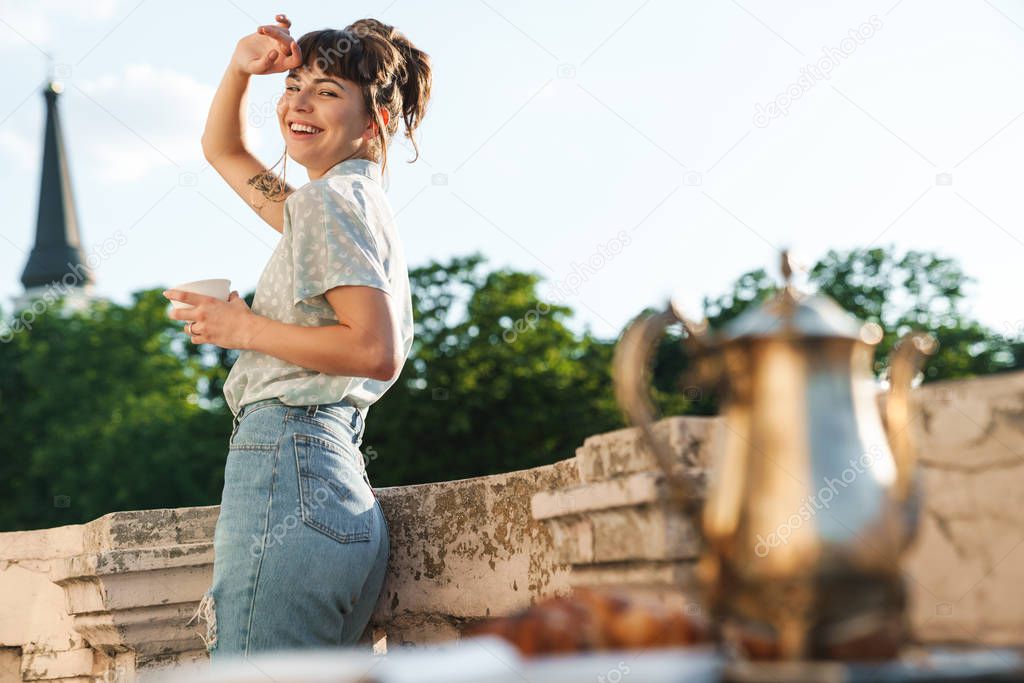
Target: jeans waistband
{"type": "Point", "coordinates": [310, 410]}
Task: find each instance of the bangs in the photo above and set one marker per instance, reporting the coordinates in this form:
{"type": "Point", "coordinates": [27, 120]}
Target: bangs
{"type": "Point", "coordinates": [336, 53]}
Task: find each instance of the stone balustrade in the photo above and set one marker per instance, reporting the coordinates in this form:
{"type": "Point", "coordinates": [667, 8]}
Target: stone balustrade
{"type": "Point", "coordinates": [111, 599]}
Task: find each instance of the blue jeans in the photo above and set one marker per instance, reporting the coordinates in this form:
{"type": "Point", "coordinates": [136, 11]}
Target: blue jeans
{"type": "Point", "coordinates": [301, 545]}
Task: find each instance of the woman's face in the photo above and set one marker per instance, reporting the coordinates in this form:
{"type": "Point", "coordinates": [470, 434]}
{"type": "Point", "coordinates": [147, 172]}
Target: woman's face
{"type": "Point", "coordinates": [333, 107]}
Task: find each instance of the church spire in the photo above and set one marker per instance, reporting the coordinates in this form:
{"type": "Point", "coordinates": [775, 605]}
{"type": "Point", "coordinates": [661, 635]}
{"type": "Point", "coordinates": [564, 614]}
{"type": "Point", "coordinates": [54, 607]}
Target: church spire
{"type": "Point", "coordinates": [57, 251]}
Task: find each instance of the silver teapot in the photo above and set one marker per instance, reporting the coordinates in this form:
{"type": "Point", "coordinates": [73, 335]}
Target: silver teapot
{"type": "Point", "coordinates": [812, 497]}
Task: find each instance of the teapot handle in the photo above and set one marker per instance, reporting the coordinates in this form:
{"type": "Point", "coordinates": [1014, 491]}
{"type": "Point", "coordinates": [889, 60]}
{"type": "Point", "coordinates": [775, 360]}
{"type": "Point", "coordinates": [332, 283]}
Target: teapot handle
{"type": "Point", "coordinates": [631, 369]}
{"type": "Point", "coordinates": [906, 359]}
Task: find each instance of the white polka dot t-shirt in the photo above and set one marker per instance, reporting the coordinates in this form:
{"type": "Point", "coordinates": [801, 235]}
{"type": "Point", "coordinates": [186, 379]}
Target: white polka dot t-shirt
{"type": "Point", "coordinates": [338, 230]}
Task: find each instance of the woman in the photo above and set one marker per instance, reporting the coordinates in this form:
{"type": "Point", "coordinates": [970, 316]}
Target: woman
{"type": "Point", "coordinates": [301, 544]}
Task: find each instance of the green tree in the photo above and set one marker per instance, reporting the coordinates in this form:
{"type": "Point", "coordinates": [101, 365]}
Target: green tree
{"type": "Point", "coordinates": [100, 411]}
{"type": "Point", "coordinates": [495, 382]}
{"type": "Point", "coordinates": [916, 291]}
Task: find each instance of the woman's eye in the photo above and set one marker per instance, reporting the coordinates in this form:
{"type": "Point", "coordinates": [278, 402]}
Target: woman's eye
{"type": "Point", "coordinates": [327, 92]}
{"type": "Point", "coordinates": [292, 87]}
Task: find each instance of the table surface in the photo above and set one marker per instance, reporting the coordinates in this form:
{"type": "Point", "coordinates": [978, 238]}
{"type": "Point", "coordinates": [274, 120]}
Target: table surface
{"type": "Point", "coordinates": [488, 659]}
{"type": "Point", "coordinates": [920, 665]}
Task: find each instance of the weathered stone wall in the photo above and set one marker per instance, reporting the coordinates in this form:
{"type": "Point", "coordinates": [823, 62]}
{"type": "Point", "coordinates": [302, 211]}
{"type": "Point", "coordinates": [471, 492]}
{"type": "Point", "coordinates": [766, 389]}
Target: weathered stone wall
{"type": "Point", "coordinates": [102, 598]}
{"type": "Point", "coordinates": [36, 633]}
{"type": "Point", "coordinates": [464, 550]}
{"type": "Point", "coordinates": [967, 568]}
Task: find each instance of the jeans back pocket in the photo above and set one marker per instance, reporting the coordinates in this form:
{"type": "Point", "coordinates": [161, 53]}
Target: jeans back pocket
{"type": "Point", "coordinates": [334, 498]}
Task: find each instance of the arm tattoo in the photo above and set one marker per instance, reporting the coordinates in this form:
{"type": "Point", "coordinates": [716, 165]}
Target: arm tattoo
{"type": "Point", "coordinates": [270, 186]}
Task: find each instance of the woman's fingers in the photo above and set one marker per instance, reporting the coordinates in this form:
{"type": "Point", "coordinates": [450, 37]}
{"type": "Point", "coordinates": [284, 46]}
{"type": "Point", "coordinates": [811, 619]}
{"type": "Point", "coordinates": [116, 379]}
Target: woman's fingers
{"type": "Point", "coordinates": [295, 59]}
{"type": "Point", "coordinates": [287, 55]}
{"type": "Point", "coordinates": [275, 32]}
{"type": "Point", "coordinates": [280, 35]}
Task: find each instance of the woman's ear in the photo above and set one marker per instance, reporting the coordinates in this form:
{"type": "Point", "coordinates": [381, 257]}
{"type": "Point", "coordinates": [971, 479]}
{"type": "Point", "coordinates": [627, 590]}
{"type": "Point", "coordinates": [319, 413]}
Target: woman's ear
{"type": "Point", "coordinates": [371, 127]}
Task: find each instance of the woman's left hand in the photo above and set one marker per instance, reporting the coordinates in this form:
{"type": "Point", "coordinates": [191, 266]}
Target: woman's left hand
{"type": "Point", "coordinates": [227, 324]}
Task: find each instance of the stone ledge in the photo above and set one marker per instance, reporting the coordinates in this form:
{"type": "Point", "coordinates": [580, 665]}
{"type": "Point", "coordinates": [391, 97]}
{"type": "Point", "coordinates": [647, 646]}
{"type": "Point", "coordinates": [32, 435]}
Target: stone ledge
{"type": "Point", "coordinates": [671, 573]}
{"type": "Point", "coordinates": [613, 454]}
{"type": "Point", "coordinates": [40, 546]}
{"type": "Point", "coordinates": [135, 560]}
{"type": "Point", "coordinates": [629, 518]}
{"type": "Point", "coordinates": [161, 527]}
{"type": "Point", "coordinates": [69, 664]}
{"type": "Point", "coordinates": [634, 489]}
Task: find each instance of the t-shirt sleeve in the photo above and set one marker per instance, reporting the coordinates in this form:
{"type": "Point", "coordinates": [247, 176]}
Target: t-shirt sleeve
{"type": "Point", "coordinates": [332, 245]}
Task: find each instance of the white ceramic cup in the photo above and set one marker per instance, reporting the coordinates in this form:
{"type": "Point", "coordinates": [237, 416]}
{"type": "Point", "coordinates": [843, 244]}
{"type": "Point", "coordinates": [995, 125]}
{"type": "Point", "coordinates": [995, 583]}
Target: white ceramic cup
{"type": "Point", "coordinates": [216, 287]}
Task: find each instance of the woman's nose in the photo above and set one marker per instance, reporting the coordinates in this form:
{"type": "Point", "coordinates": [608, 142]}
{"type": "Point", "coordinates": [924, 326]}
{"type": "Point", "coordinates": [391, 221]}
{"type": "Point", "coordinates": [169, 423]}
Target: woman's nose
{"type": "Point", "coordinates": [301, 101]}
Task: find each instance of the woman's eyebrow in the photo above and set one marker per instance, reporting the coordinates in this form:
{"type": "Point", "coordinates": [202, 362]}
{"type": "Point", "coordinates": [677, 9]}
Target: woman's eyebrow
{"type": "Point", "coordinates": [331, 81]}
{"type": "Point", "coordinates": [294, 75]}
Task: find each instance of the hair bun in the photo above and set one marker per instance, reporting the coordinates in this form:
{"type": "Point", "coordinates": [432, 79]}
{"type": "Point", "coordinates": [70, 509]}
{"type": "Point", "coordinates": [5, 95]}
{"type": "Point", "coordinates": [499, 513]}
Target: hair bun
{"type": "Point", "coordinates": [414, 80]}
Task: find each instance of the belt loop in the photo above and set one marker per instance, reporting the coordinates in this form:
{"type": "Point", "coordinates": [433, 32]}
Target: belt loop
{"type": "Point", "coordinates": [357, 434]}
{"type": "Point", "coordinates": [311, 410]}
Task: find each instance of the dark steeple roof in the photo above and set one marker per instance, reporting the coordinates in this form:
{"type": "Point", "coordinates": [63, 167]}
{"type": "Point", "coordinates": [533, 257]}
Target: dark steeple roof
{"type": "Point", "coordinates": [57, 250]}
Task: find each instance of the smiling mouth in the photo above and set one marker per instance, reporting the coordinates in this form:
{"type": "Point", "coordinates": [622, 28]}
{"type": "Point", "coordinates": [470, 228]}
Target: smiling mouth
{"type": "Point", "coordinates": [301, 130]}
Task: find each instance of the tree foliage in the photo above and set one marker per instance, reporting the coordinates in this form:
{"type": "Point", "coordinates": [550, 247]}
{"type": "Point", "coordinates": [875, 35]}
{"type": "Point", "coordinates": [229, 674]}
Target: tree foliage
{"type": "Point", "coordinates": [100, 412]}
{"type": "Point", "coordinates": [916, 291]}
{"type": "Point", "coordinates": [496, 380]}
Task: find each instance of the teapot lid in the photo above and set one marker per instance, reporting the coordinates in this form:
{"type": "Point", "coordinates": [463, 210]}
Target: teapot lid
{"type": "Point", "coordinates": [795, 313]}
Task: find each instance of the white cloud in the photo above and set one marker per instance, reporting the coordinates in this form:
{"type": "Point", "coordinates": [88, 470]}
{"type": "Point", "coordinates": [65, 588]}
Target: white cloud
{"type": "Point", "coordinates": [141, 119]}
{"type": "Point", "coordinates": [23, 152]}
{"type": "Point", "coordinates": [34, 22]}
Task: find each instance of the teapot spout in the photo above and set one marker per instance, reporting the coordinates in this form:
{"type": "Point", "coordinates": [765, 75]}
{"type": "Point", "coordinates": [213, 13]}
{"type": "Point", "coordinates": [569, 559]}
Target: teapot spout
{"type": "Point", "coordinates": [904, 363]}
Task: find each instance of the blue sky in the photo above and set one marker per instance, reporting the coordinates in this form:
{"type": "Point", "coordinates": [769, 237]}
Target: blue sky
{"type": "Point", "coordinates": [554, 130]}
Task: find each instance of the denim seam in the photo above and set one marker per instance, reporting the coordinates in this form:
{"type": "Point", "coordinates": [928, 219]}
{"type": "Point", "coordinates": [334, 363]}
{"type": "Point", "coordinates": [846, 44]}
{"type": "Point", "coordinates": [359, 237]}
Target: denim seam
{"type": "Point", "coordinates": [263, 542]}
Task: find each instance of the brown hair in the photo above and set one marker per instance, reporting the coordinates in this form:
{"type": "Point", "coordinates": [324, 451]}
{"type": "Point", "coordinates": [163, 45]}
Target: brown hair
{"type": "Point", "coordinates": [390, 71]}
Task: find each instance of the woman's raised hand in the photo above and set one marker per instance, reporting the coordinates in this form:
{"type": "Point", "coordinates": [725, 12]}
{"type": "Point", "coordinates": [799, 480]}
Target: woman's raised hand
{"type": "Point", "coordinates": [270, 50]}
